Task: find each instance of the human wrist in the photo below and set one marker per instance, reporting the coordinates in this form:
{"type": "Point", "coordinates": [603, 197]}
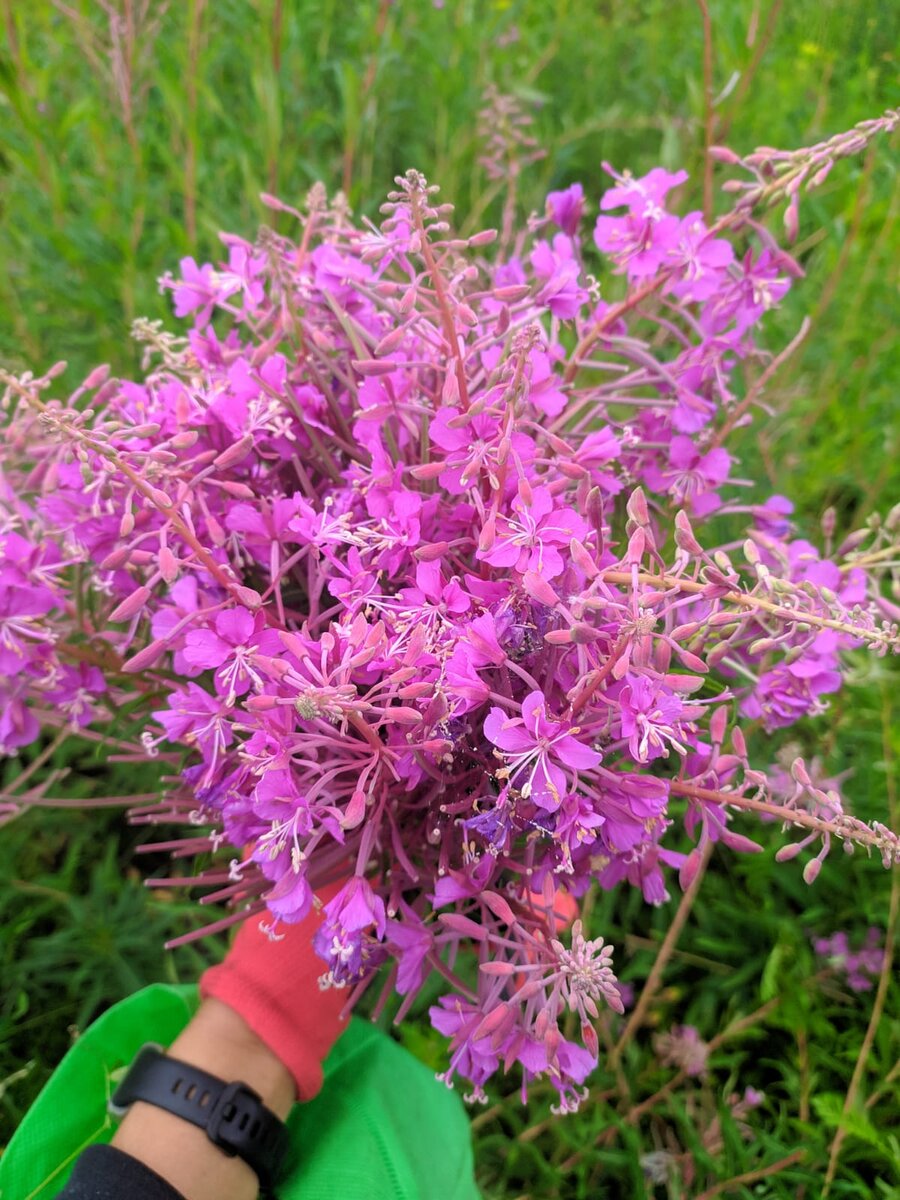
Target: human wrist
{"type": "Point", "coordinates": [220, 1041]}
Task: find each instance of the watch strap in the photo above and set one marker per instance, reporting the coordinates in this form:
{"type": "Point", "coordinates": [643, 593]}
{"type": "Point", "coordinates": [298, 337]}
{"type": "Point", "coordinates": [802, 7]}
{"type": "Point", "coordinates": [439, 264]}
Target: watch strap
{"type": "Point", "coordinates": [232, 1114]}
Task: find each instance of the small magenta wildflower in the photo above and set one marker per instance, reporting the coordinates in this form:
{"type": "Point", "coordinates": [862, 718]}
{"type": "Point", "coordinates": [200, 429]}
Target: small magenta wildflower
{"type": "Point", "coordinates": [862, 967]}
{"type": "Point", "coordinates": [534, 746]}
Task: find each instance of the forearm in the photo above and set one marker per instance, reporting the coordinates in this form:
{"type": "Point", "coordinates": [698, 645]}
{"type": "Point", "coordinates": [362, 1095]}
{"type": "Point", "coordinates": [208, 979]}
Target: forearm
{"type": "Point", "coordinates": [217, 1040]}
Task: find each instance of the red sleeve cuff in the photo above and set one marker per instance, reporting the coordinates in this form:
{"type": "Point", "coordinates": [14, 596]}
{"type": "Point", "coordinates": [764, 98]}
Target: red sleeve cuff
{"type": "Point", "coordinates": [274, 986]}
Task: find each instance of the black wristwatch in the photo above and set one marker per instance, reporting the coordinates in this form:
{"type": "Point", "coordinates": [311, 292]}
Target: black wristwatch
{"type": "Point", "coordinates": [232, 1114]}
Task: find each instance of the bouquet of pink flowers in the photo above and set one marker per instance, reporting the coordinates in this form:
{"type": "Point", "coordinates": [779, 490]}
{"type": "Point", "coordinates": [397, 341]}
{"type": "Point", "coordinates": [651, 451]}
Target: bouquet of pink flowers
{"type": "Point", "coordinates": [405, 557]}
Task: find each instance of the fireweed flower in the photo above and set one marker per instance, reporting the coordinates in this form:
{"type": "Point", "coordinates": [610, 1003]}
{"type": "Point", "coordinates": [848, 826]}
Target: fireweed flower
{"type": "Point", "coordinates": [229, 648]}
{"type": "Point", "coordinates": [642, 196]}
{"type": "Point", "coordinates": [475, 448]}
{"type": "Point", "coordinates": [566, 208]}
{"type": "Point", "coordinates": [528, 539]}
{"type": "Point", "coordinates": [650, 718]}
{"type": "Point", "coordinates": [640, 246]}
{"type": "Point", "coordinates": [700, 260]}
{"type": "Point", "coordinates": [559, 272]}
{"type": "Point", "coordinates": [692, 477]}
{"type": "Point", "coordinates": [21, 630]}
{"type": "Point", "coordinates": [534, 745]}
{"type": "Point", "coordinates": [406, 552]}
{"type": "Point", "coordinates": [353, 919]}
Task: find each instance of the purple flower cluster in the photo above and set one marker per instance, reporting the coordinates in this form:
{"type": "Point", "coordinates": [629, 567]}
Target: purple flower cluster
{"type": "Point", "coordinates": [682, 1047]}
{"type": "Point", "coordinates": [395, 555]}
{"type": "Point", "coordinates": [863, 966]}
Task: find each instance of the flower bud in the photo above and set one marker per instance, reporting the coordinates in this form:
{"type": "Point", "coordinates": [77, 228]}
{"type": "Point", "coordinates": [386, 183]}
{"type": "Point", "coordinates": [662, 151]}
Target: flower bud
{"type": "Point", "coordinates": [792, 221]}
{"type": "Point", "coordinates": [235, 452]}
{"type": "Point", "coordinates": [484, 238]}
{"type": "Point", "coordinates": [718, 723]}
{"type": "Point", "coordinates": [582, 559]}
{"type": "Point", "coordinates": [739, 843]}
{"type": "Point", "coordinates": [722, 154]}
{"type": "Point", "coordinates": [499, 968]}
{"type": "Point", "coordinates": [693, 662]}
{"type": "Point", "coordinates": [247, 596]}
{"type": "Point", "coordinates": [424, 471]}
{"type": "Point", "coordinates": [130, 605]}
{"type": "Point", "coordinates": [464, 925]}
{"type": "Point", "coordinates": [684, 534]}
{"type": "Point", "coordinates": [240, 491]}
{"type": "Point", "coordinates": [682, 632]}
{"type": "Point", "coordinates": [413, 691]}
{"type": "Point", "coordinates": [799, 773]}
{"type": "Point", "coordinates": [584, 635]}
{"type": "Point", "coordinates": [168, 564]}
{"type": "Point", "coordinates": [400, 714]}
{"type": "Point", "coordinates": [214, 529]}
{"type": "Point", "coordinates": [593, 507]}
{"type": "Point", "coordinates": [450, 389]}
{"type": "Point", "coordinates": [499, 907]}
{"type": "Point", "coordinates": [515, 291]}
{"type": "Point", "coordinates": [689, 868]}
{"type": "Point", "coordinates": [488, 533]}
{"type": "Point", "coordinates": [432, 553]}
{"type": "Point", "coordinates": [811, 870]}
{"type": "Point", "coordinates": [494, 1020]}
{"type": "Point", "coordinates": [390, 341]}
{"type": "Point", "coordinates": [761, 646]}
{"type": "Point", "coordinates": [637, 507]}
{"type": "Point", "coordinates": [538, 589]}
{"type": "Point", "coordinates": [145, 658]}
{"type": "Point", "coordinates": [637, 544]}
{"type": "Point", "coordinates": [372, 366]}
{"type": "Point", "coordinates": [721, 620]}
{"type": "Point", "coordinates": [98, 376]}
{"type": "Point", "coordinates": [589, 1037]}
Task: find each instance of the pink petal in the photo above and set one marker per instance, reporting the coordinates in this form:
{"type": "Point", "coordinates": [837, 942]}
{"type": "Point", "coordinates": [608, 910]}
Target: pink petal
{"type": "Point", "coordinates": [506, 732]}
{"type": "Point", "coordinates": [576, 754]}
{"type": "Point", "coordinates": [548, 785]}
{"type": "Point", "coordinates": [203, 648]}
{"type": "Point", "coordinates": [235, 625]}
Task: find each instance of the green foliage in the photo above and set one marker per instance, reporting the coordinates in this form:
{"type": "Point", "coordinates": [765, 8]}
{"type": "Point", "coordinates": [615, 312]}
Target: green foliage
{"type": "Point", "coordinates": [98, 200]}
{"type": "Point", "coordinates": [79, 932]}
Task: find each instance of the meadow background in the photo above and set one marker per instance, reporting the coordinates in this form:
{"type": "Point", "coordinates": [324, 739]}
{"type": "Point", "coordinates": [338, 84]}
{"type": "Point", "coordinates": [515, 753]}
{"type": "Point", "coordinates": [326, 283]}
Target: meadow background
{"type": "Point", "coordinates": [131, 131]}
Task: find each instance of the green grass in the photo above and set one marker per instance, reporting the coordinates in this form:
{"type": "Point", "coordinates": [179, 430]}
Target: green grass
{"type": "Point", "coordinates": [98, 200]}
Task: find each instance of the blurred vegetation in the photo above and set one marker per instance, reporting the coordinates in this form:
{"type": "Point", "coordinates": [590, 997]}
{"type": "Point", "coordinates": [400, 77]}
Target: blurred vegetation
{"type": "Point", "coordinates": [119, 156]}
